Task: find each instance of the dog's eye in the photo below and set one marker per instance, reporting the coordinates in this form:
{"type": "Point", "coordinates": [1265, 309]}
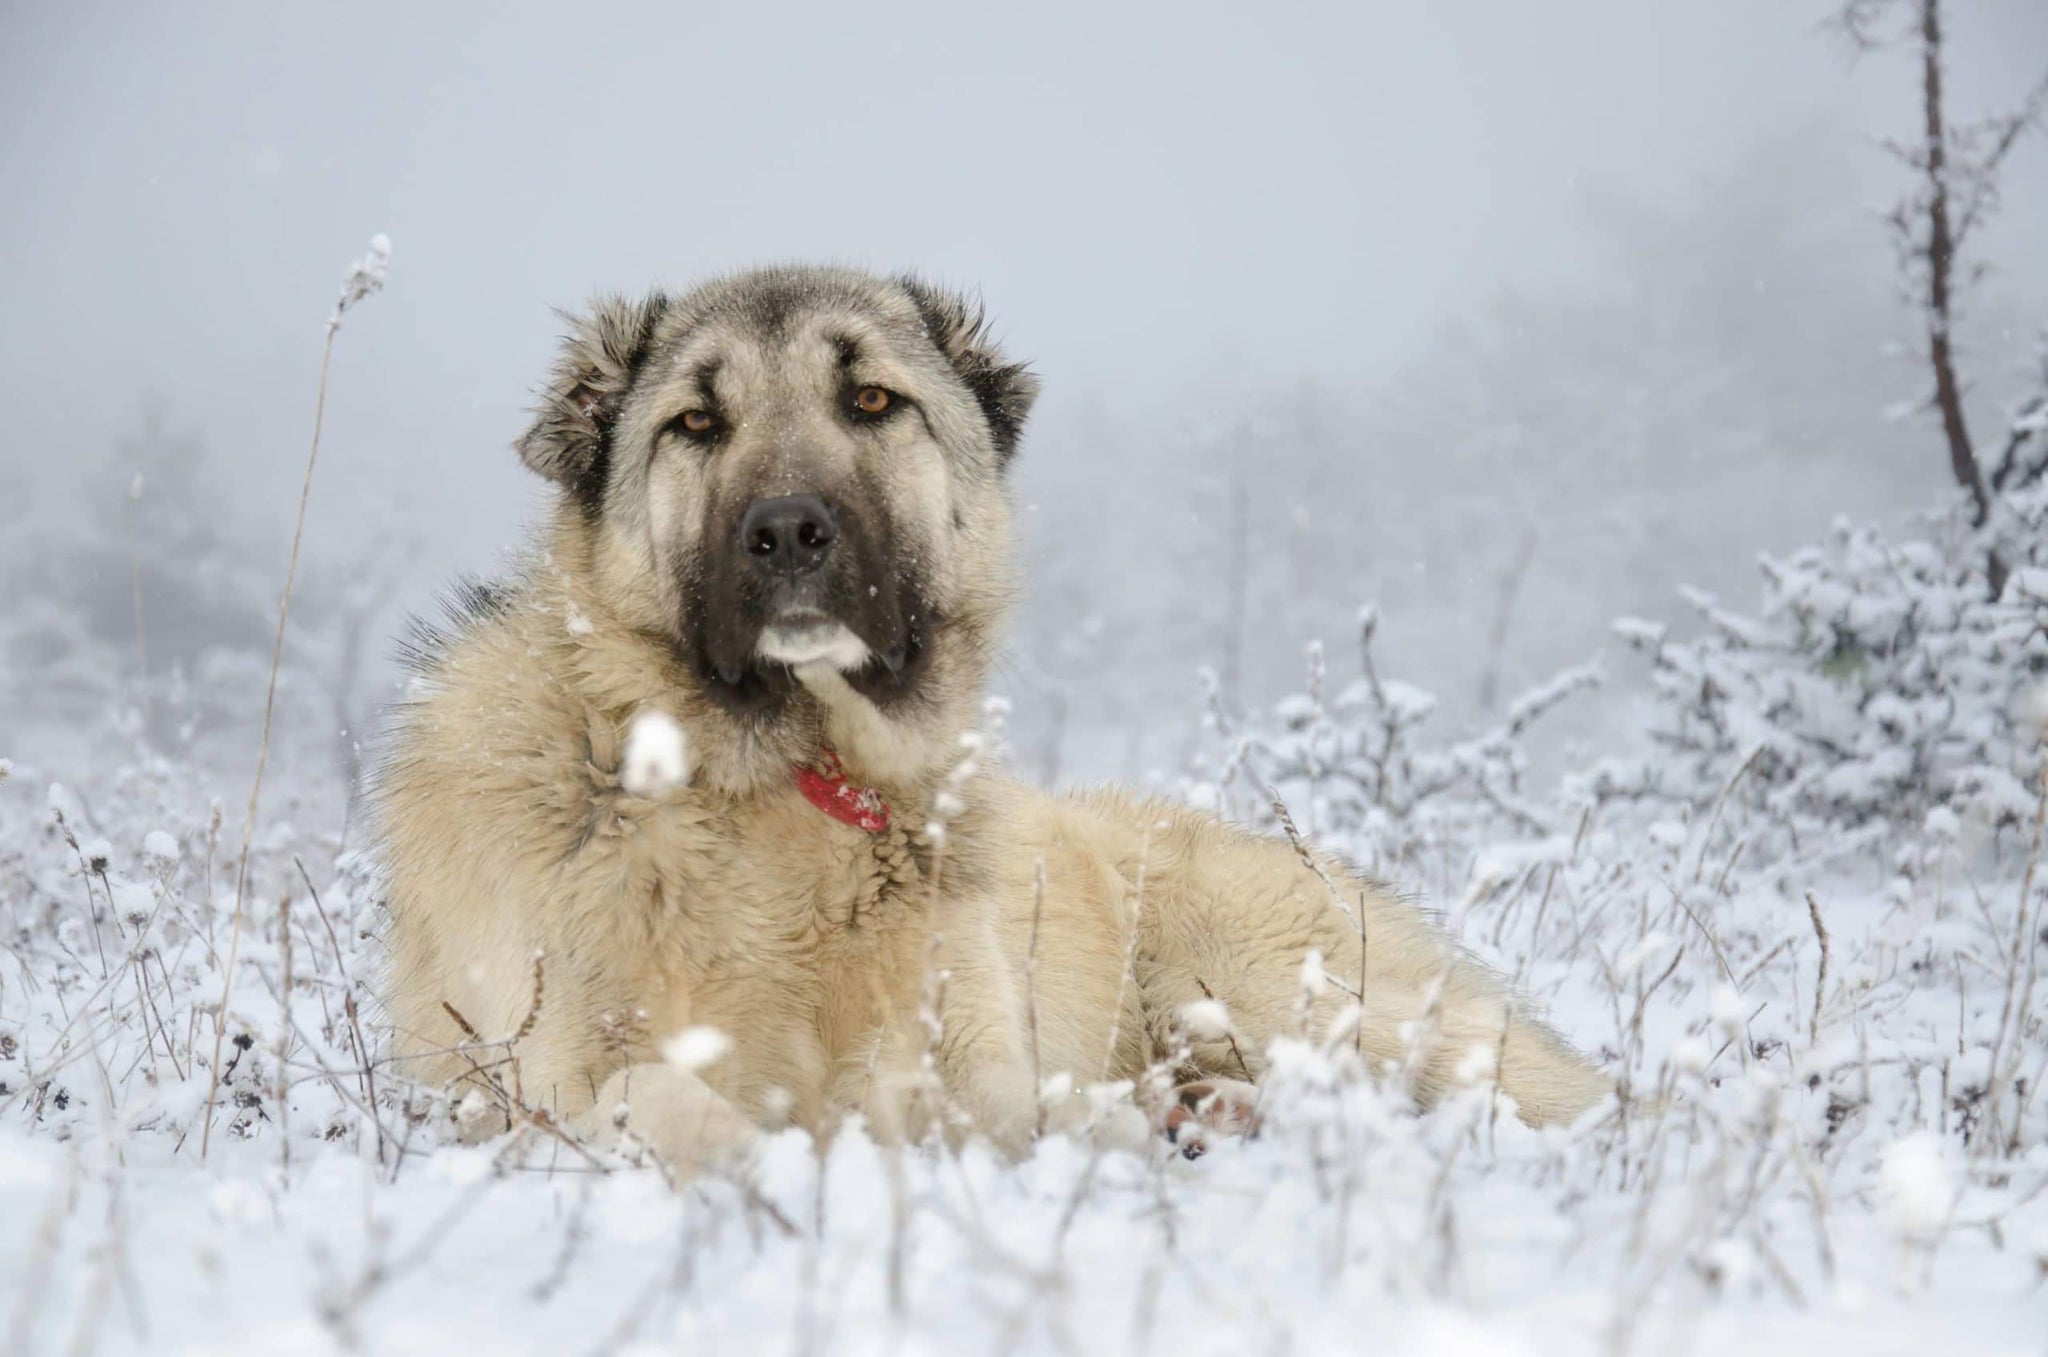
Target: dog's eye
{"type": "Point", "coordinates": [695, 423]}
{"type": "Point", "coordinates": [872, 400]}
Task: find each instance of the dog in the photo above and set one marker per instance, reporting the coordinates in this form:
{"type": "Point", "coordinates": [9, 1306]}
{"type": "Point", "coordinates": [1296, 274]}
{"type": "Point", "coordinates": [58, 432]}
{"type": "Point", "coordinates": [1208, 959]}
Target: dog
{"type": "Point", "coordinates": [686, 831]}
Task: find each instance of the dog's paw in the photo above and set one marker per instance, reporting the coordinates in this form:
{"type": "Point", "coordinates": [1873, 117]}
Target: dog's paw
{"type": "Point", "coordinates": [1209, 1108]}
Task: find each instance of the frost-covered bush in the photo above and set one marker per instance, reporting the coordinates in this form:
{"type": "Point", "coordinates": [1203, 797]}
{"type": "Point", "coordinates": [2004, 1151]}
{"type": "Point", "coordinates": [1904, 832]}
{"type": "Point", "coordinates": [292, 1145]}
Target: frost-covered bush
{"type": "Point", "coordinates": [1878, 683]}
{"type": "Point", "coordinates": [1362, 769]}
{"type": "Point", "coordinates": [1878, 688]}
{"type": "Point", "coordinates": [1865, 748]}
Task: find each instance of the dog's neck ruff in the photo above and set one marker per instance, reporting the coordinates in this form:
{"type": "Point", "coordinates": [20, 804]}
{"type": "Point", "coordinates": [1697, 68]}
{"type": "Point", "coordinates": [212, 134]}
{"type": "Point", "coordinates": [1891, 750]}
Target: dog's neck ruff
{"type": "Point", "coordinates": [826, 788]}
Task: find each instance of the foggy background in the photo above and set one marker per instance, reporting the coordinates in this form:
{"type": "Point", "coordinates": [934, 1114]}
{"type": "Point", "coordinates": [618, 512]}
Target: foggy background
{"type": "Point", "coordinates": [1508, 318]}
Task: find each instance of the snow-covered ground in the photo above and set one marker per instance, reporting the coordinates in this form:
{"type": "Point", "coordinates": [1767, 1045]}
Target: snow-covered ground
{"type": "Point", "coordinates": [1805, 929]}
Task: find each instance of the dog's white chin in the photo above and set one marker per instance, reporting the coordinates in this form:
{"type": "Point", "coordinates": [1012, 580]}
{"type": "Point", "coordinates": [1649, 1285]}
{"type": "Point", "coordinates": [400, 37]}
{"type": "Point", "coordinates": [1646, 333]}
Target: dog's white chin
{"type": "Point", "coordinates": [813, 643]}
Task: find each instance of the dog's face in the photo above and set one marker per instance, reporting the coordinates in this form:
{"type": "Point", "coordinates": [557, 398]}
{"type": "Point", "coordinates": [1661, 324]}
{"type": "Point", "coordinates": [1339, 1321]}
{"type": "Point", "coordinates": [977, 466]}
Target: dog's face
{"type": "Point", "coordinates": [794, 467]}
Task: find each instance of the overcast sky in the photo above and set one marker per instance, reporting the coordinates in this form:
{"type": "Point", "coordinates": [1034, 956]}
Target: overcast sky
{"type": "Point", "coordinates": [1166, 206]}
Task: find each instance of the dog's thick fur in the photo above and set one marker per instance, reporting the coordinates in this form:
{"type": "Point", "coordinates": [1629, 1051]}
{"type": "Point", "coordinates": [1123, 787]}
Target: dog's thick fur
{"type": "Point", "coordinates": [552, 930]}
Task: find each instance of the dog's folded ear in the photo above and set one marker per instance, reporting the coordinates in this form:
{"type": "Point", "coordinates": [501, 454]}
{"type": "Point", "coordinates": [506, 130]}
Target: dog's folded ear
{"type": "Point", "coordinates": [1004, 390]}
{"type": "Point", "coordinates": [570, 440]}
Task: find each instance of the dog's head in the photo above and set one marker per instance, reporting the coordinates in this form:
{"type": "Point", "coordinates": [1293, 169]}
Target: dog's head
{"type": "Point", "coordinates": [795, 468]}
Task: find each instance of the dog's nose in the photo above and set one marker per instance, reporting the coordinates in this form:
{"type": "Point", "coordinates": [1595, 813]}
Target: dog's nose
{"type": "Point", "coordinates": [788, 535]}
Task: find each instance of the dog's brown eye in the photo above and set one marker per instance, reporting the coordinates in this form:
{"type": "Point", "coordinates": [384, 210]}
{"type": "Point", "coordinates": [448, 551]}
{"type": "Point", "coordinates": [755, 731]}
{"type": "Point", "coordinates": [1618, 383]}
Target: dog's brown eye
{"type": "Point", "coordinates": [697, 421]}
{"type": "Point", "coordinates": [872, 400]}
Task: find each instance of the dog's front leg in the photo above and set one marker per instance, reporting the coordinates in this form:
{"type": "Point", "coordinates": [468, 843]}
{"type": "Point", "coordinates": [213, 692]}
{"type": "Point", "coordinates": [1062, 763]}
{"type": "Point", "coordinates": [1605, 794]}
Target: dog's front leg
{"type": "Point", "coordinates": [983, 1047]}
{"type": "Point", "coordinates": [949, 1052]}
{"type": "Point", "coordinates": [672, 1112]}
{"type": "Point", "coordinates": [963, 1085]}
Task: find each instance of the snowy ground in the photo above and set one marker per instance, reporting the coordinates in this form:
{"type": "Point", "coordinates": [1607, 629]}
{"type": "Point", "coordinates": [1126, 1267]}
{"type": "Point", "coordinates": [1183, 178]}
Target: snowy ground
{"type": "Point", "coordinates": [1859, 1163]}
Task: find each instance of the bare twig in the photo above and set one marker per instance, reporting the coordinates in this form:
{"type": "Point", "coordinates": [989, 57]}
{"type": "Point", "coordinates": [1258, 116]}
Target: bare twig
{"type": "Point", "coordinates": [364, 278]}
{"type": "Point", "coordinates": [453, 1012]}
{"type": "Point", "coordinates": [1308, 860]}
{"type": "Point", "coordinates": [532, 1018]}
{"type": "Point", "coordinates": [1939, 251]}
{"type": "Point", "coordinates": [348, 1005]}
{"type": "Point", "coordinates": [1031, 994]}
{"type": "Point", "coordinates": [1228, 1035]}
{"type": "Point", "coordinates": [2012, 1013]}
{"type": "Point", "coordinates": [1958, 187]}
{"type": "Point", "coordinates": [284, 1040]}
{"type": "Point", "coordinates": [135, 575]}
{"type": "Point", "coordinates": [1820, 981]}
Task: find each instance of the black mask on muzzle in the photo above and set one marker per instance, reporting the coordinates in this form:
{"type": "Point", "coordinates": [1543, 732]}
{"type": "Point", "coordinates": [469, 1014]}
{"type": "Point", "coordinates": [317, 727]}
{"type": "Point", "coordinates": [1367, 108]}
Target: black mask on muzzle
{"type": "Point", "coordinates": [798, 560]}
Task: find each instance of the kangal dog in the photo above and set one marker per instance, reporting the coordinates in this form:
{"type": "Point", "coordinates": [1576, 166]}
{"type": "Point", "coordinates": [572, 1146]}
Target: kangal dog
{"type": "Point", "coordinates": [684, 772]}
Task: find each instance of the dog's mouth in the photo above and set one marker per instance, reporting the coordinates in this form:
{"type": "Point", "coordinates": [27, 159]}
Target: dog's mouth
{"type": "Point", "coordinates": [881, 652]}
{"type": "Point", "coordinates": [799, 637]}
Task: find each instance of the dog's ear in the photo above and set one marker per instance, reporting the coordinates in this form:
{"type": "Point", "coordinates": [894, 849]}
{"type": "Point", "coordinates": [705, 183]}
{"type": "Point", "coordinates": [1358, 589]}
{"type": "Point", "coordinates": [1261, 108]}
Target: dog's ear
{"type": "Point", "coordinates": [1004, 390]}
{"type": "Point", "coordinates": [570, 440]}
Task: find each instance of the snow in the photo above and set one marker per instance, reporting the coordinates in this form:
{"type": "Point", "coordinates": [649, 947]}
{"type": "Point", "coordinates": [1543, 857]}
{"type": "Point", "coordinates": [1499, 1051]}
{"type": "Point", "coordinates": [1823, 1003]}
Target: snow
{"type": "Point", "coordinates": [2030, 709]}
{"type": "Point", "coordinates": [657, 757]}
{"type": "Point", "coordinates": [1205, 1020]}
{"type": "Point", "coordinates": [1917, 1187]}
{"type": "Point", "coordinates": [1726, 1008]}
{"type": "Point", "coordinates": [365, 277]}
{"type": "Point", "coordinates": [695, 1048]}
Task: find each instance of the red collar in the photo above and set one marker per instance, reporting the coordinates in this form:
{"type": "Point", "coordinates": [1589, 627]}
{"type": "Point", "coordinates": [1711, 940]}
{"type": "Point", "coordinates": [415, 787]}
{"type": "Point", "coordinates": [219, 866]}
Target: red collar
{"type": "Point", "coordinates": [826, 788]}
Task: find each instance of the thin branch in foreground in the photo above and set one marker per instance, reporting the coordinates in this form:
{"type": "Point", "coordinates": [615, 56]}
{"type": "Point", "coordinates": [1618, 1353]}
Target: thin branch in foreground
{"type": "Point", "coordinates": [348, 1002]}
{"type": "Point", "coordinates": [365, 277]}
{"type": "Point", "coordinates": [284, 1042]}
{"type": "Point", "coordinates": [1820, 981]}
{"type": "Point", "coordinates": [1308, 860]}
{"type": "Point", "coordinates": [1031, 995]}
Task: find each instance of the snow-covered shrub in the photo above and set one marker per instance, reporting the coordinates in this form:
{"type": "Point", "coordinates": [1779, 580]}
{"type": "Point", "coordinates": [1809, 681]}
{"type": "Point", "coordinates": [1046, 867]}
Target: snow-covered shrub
{"type": "Point", "coordinates": [1831, 816]}
{"type": "Point", "coordinates": [1361, 768]}
{"type": "Point", "coordinates": [1879, 681]}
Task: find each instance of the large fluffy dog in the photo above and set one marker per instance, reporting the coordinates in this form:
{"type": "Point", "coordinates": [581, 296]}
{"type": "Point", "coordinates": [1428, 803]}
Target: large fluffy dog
{"type": "Point", "coordinates": [783, 527]}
